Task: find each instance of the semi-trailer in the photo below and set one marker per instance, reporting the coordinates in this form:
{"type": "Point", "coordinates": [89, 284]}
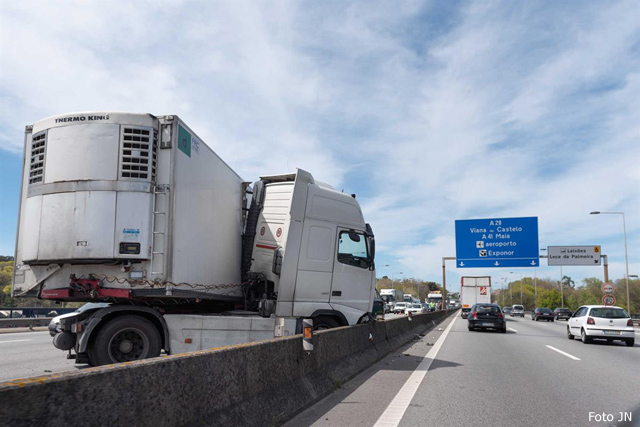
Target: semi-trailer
{"type": "Point", "coordinates": [474, 290]}
{"type": "Point", "coordinates": [390, 298]}
{"type": "Point", "coordinates": [136, 210]}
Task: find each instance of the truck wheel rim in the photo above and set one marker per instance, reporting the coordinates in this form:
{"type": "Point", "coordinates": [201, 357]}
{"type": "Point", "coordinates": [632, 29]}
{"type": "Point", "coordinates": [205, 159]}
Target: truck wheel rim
{"type": "Point", "coordinates": [127, 345]}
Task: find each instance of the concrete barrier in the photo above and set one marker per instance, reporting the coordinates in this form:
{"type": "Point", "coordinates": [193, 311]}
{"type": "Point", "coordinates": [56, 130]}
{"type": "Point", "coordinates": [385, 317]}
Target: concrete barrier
{"type": "Point", "coordinates": [255, 384]}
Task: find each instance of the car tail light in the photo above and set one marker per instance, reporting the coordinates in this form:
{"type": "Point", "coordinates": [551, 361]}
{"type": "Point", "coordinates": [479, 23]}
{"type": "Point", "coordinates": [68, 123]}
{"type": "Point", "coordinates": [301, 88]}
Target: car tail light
{"type": "Point", "coordinates": [500, 315]}
{"type": "Point", "coordinates": [629, 322]}
{"type": "Point", "coordinates": [590, 321]}
{"type": "Point", "coordinates": [474, 315]}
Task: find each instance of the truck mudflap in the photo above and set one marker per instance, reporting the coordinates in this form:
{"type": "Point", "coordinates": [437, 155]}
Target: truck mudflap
{"type": "Point", "coordinates": [99, 315]}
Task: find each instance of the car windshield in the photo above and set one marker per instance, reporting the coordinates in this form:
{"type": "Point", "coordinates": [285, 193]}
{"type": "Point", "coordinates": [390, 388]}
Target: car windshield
{"type": "Point", "coordinates": [544, 310]}
{"type": "Point", "coordinates": [400, 304]}
{"type": "Point", "coordinates": [518, 307]}
{"type": "Point", "coordinates": [487, 309]}
{"type": "Point", "coordinates": [416, 306]}
{"type": "Point", "coordinates": [564, 310]}
{"type": "Point", "coordinates": [609, 313]}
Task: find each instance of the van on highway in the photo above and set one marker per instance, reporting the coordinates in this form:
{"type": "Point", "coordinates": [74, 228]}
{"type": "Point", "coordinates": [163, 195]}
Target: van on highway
{"type": "Point", "coordinates": [517, 310]}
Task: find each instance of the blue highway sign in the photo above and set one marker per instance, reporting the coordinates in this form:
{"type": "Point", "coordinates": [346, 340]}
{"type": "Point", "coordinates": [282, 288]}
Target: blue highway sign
{"type": "Point", "coordinates": [497, 243]}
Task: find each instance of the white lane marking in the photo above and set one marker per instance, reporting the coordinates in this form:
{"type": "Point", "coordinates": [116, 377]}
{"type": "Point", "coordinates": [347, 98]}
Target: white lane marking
{"type": "Point", "coordinates": [395, 411]}
{"type": "Point", "coordinates": [2, 342]}
{"type": "Point", "coordinates": [562, 352]}
{"type": "Point", "coordinates": [511, 329]}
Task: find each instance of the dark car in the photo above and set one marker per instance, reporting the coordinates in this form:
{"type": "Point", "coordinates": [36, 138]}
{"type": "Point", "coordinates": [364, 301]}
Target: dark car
{"type": "Point", "coordinates": [487, 316]}
{"type": "Point", "coordinates": [464, 313]}
{"type": "Point", "coordinates": [378, 305]}
{"type": "Point", "coordinates": [562, 313]}
{"type": "Point", "coordinates": [543, 313]}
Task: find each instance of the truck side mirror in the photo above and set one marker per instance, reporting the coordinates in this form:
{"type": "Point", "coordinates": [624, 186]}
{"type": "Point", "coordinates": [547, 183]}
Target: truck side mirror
{"type": "Point", "coordinates": [354, 236]}
{"type": "Point", "coordinates": [372, 247]}
{"type": "Point", "coordinates": [372, 250]}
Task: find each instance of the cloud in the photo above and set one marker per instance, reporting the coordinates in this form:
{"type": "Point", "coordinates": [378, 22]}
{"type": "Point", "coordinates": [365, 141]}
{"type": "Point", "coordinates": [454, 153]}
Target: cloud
{"type": "Point", "coordinates": [429, 111]}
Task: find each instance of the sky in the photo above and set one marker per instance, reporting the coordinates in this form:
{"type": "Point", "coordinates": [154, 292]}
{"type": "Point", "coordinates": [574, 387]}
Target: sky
{"type": "Point", "coordinates": [430, 111]}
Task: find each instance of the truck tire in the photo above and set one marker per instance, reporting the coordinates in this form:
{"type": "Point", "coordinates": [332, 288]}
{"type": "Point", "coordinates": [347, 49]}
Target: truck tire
{"type": "Point", "coordinates": [125, 339]}
{"type": "Point", "coordinates": [321, 323]}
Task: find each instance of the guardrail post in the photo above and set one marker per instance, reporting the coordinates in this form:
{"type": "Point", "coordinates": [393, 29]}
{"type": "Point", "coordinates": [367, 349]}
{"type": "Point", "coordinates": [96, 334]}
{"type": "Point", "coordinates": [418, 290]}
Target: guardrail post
{"type": "Point", "coordinates": [307, 334]}
{"type": "Point", "coordinates": [279, 327]}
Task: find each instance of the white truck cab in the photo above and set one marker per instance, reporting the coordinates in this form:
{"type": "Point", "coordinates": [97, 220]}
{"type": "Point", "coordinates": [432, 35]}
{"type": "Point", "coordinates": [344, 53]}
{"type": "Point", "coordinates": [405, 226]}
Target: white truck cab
{"type": "Point", "coordinates": [313, 244]}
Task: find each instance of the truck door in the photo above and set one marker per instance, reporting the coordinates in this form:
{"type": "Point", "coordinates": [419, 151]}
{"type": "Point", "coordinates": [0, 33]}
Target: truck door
{"type": "Point", "coordinates": [316, 261]}
{"type": "Point", "coordinates": [352, 279]}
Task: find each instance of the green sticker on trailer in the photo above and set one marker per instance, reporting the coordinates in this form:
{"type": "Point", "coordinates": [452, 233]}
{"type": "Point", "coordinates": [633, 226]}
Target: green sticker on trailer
{"type": "Point", "coordinates": [184, 140]}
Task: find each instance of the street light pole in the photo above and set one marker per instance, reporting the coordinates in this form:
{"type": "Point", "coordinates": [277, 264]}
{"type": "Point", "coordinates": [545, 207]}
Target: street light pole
{"type": "Point", "coordinates": [392, 274]}
{"type": "Point", "coordinates": [626, 257]}
{"type": "Point", "coordinates": [510, 291]}
{"type": "Point", "coordinates": [504, 283]}
{"type": "Point", "coordinates": [521, 279]}
{"type": "Point", "coordinates": [561, 289]}
{"type": "Point", "coordinates": [535, 279]}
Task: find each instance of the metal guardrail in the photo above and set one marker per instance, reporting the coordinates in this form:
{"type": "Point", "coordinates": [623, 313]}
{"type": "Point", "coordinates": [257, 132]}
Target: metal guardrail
{"type": "Point", "coordinates": [25, 322]}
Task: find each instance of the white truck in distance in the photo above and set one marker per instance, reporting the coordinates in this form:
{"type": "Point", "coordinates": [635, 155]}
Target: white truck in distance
{"type": "Point", "coordinates": [390, 298]}
{"type": "Point", "coordinates": [474, 290]}
{"type": "Point", "coordinates": [136, 210]}
{"type": "Point", "coordinates": [434, 297]}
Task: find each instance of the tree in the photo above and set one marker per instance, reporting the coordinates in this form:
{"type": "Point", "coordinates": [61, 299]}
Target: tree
{"type": "Point", "coordinates": [567, 282]}
{"type": "Point", "coordinates": [549, 298]}
{"type": "Point", "coordinates": [6, 276]}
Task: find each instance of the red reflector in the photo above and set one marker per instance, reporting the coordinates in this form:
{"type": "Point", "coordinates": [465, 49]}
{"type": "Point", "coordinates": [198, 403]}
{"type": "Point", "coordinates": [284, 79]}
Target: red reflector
{"type": "Point", "coordinates": [307, 333]}
{"type": "Point", "coordinates": [590, 321]}
{"type": "Point", "coordinates": [188, 340]}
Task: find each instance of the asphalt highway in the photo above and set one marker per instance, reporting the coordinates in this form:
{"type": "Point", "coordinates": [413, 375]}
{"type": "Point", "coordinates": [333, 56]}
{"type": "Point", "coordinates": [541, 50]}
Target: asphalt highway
{"type": "Point", "coordinates": [31, 354]}
{"type": "Point", "coordinates": [532, 375]}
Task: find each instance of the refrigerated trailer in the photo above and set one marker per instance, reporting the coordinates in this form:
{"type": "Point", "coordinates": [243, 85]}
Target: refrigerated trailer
{"type": "Point", "coordinates": [474, 290]}
{"type": "Point", "coordinates": [390, 298]}
{"type": "Point", "coordinates": [136, 210]}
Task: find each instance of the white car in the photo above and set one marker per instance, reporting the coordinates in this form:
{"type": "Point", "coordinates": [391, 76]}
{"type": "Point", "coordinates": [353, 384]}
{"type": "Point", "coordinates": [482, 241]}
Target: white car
{"type": "Point", "coordinates": [414, 308]}
{"type": "Point", "coordinates": [400, 307]}
{"type": "Point", "coordinates": [601, 322]}
{"type": "Point", "coordinates": [517, 310]}
{"type": "Point", "coordinates": [54, 325]}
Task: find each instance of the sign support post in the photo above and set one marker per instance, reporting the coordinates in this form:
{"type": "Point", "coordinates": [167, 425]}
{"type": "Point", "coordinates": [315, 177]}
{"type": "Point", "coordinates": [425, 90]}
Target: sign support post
{"type": "Point", "coordinates": [444, 276]}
